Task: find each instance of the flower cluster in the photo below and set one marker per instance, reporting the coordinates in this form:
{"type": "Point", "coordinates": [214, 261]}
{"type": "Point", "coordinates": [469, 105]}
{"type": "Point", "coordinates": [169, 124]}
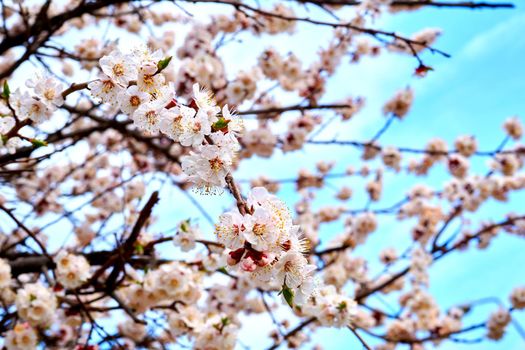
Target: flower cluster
{"type": "Point", "coordinates": [400, 104]}
{"type": "Point", "coordinates": [134, 83]}
{"type": "Point", "coordinates": [513, 127]}
{"type": "Point", "coordinates": [39, 105]}
{"type": "Point", "coordinates": [497, 323]}
{"type": "Point", "coordinates": [217, 333]}
{"type": "Point", "coordinates": [131, 81]}
{"type": "Point", "coordinates": [210, 330]}
{"type": "Point", "coordinates": [186, 236]}
{"type": "Point", "coordinates": [72, 270]}
{"type": "Point", "coordinates": [21, 337]}
{"type": "Point", "coordinates": [23, 108]}
{"type": "Point", "coordinates": [163, 285]}
{"type": "Point", "coordinates": [420, 41]}
{"type": "Point", "coordinates": [36, 304]}
{"type": "Point", "coordinates": [517, 298]}
{"type": "Point", "coordinates": [331, 308]}
{"type": "Point", "coordinates": [266, 244]}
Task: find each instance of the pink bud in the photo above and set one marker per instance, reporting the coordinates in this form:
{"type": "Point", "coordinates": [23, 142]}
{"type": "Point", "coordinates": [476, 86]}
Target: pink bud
{"type": "Point", "coordinates": [248, 265]}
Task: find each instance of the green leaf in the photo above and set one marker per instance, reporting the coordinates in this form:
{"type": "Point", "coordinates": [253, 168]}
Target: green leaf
{"type": "Point", "coordinates": [4, 139]}
{"type": "Point", "coordinates": [6, 91]}
{"type": "Point", "coordinates": [288, 295]}
{"type": "Point", "coordinates": [38, 143]}
{"type": "Point", "coordinates": [139, 249]}
{"type": "Point", "coordinates": [185, 225]}
{"type": "Point", "coordinates": [221, 124]}
{"type": "Point", "coordinates": [222, 270]}
{"type": "Point", "coordinates": [341, 306]}
{"type": "Point", "coordinates": [224, 322]}
{"type": "Point", "coordinates": [162, 64]}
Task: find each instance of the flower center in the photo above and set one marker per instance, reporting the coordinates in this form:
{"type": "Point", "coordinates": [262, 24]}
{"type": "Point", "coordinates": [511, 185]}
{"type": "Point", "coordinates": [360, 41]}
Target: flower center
{"type": "Point", "coordinates": [177, 126]}
{"type": "Point", "coordinates": [25, 340]}
{"type": "Point", "coordinates": [238, 229]}
{"type": "Point", "coordinates": [49, 94]}
{"type": "Point", "coordinates": [118, 70]}
{"type": "Point", "coordinates": [151, 117]}
{"type": "Point", "coordinates": [134, 101]}
{"type": "Point", "coordinates": [216, 164]}
{"type": "Point", "coordinates": [148, 79]}
{"type": "Point", "coordinates": [197, 127]}
{"type": "Point", "coordinates": [259, 229]}
{"type": "Point", "coordinates": [107, 86]}
{"type": "Point", "coordinates": [35, 108]}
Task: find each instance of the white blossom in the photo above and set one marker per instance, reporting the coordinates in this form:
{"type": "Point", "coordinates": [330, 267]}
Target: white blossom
{"type": "Point", "coordinates": [147, 116]}
{"type": "Point", "coordinates": [105, 89]}
{"type": "Point", "coordinates": [121, 68]}
{"type": "Point", "coordinates": [36, 304]}
{"type": "Point", "coordinates": [72, 270]}
{"type": "Point", "coordinates": [132, 98]}
{"type": "Point", "coordinates": [21, 337]}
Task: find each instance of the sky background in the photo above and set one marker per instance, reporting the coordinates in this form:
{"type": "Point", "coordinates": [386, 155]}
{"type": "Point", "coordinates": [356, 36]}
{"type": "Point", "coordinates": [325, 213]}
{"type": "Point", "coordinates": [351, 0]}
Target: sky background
{"type": "Point", "coordinates": [472, 92]}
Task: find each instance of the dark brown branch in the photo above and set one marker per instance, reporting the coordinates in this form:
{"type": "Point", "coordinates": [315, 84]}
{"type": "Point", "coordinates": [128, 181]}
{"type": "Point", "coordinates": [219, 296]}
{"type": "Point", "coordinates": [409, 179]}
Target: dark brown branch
{"type": "Point", "coordinates": [363, 342]}
{"type": "Point", "coordinates": [20, 225]}
{"type": "Point", "coordinates": [298, 108]}
{"type": "Point", "coordinates": [234, 189]}
{"type": "Point", "coordinates": [125, 251]}
{"type": "Point", "coordinates": [361, 144]}
{"type": "Point", "coordinates": [22, 263]}
{"type": "Point", "coordinates": [242, 7]}
{"type": "Point", "coordinates": [292, 332]}
{"type": "Point", "coordinates": [417, 3]}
